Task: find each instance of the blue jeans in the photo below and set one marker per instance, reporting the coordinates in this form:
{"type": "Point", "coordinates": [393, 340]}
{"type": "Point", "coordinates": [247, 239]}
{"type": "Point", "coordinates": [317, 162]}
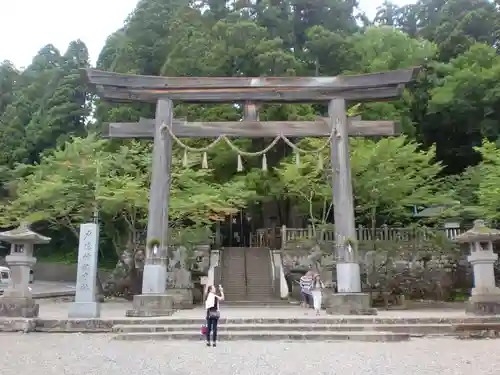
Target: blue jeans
{"type": "Point", "coordinates": [212, 327]}
{"type": "Point", "coordinates": [306, 298]}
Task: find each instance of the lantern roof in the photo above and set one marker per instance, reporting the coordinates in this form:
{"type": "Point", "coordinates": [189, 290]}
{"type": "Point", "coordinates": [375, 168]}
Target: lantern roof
{"type": "Point", "coordinates": [479, 232]}
{"type": "Point", "coordinates": [23, 234]}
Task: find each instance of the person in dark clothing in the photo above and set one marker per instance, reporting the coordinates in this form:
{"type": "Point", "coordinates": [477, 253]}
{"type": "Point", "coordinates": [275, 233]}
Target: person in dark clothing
{"type": "Point", "coordinates": [213, 312]}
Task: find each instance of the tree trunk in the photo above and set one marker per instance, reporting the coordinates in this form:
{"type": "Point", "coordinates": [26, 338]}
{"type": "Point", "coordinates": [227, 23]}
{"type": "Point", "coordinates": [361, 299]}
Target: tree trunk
{"type": "Point", "coordinates": [100, 289]}
{"type": "Point", "coordinates": [374, 227]}
{"type": "Point", "coordinates": [126, 279]}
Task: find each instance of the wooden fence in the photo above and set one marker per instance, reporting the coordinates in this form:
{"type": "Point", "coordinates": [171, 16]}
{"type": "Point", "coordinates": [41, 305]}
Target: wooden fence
{"type": "Point", "coordinates": [279, 237]}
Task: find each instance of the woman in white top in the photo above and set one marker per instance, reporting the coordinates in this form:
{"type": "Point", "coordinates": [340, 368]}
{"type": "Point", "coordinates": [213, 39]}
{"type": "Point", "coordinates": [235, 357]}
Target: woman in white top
{"type": "Point", "coordinates": [213, 312]}
{"type": "Point", "coordinates": [317, 287]}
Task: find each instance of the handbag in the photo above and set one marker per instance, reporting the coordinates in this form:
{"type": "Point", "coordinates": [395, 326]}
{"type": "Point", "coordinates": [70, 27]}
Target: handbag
{"type": "Point", "coordinates": [204, 329]}
{"type": "Point", "coordinates": [213, 314]}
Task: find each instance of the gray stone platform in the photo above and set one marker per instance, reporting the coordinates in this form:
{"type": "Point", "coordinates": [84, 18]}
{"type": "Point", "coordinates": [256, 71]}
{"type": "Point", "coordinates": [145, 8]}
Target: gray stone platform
{"type": "Point", "coordinates": [418, 329]}
{"type": "Point", "coordinates": [254, 335]}
{"type": "Point", "coordinates": [52, 289]}
{"type": "Point", "coordinates": [151, 305]}
{"type": "Point", "coordinates": [18, 307]}
{"type": "Point", "coordinates": [483, 307]}
{"type": "Point", "coordinates": [247, 323]}
{"type": "Point", "coordinates": [349, 304]}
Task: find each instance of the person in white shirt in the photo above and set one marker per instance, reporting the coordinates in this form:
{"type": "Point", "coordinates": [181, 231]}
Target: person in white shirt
{"type": "Point", "coordinates": [316, 292]}
{"type": "Point", "coordinates": [213, 312]}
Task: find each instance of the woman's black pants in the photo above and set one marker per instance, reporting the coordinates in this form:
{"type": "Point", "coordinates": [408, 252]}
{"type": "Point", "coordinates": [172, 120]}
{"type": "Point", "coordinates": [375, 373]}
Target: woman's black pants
{"type": "Point", "coordinates": [212, 327]}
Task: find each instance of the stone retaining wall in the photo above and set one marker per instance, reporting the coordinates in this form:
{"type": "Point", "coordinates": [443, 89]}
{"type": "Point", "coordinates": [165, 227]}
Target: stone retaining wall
{"type": "Point", "coordinates": [46, 271]}
{"type": "Point", "coordinates": [427, 273]}
{"type": "Point", "coordinates": [60, 272]}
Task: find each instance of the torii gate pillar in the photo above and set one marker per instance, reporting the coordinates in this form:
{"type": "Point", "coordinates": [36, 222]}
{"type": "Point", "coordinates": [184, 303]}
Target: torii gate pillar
{"type": "Point", "coordinates": [154, 301]}
{"type": "Point", "coordinates": [349, 299]}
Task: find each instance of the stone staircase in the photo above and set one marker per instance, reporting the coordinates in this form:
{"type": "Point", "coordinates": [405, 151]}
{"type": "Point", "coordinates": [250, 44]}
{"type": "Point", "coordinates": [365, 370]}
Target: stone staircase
{"type": "Point", "coordinates": [233, 273]}
{"type": "Point", "coordinates": [261, 324]}
{"type": "Point", "coordinates": [367, 329]}
{"type": "Point", "coordinates": [262, 330]}
{"type": "Point", "coordinates": [259, 274]}
{"type": "Point", "coordinates": [247, 277]}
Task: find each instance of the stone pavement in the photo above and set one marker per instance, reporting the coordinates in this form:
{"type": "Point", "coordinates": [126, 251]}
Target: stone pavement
{"type": "Point", "coordinates": [96, 354]}
{"type": "Point", "coordinates": [50, 289]}
{"type": "Point", "coordinates": [116, 310]}
{"type": "Point", "coordinates": [50, 309]}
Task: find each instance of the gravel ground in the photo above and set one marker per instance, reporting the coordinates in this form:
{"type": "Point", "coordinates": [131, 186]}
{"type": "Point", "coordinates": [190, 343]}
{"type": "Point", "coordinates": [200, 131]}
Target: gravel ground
{"type": "Point", "coordinates": [77, 354]}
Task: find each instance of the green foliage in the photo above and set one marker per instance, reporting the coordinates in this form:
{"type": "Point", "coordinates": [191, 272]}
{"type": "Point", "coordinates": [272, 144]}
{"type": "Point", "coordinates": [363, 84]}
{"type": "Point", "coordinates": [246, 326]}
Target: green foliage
{"type": "Point", "coordinates": [308, 186]}
{"type": "Point", "coordinates": [87, 174]}
{"type": "Point", "coordinates": [47, 106]}
{"type": "Point", "coordinates": [61, 189]}
{"type": "Point", "coordinates": [389, 178]}
{"type": "Point", "coordinates": [191, 236]}
{"type": "Point", "coordinates": [393, 175]}
{"type": "Point", "coordinates": [54, 174]}
{"type": "Point", "coordinates": [487, 173]}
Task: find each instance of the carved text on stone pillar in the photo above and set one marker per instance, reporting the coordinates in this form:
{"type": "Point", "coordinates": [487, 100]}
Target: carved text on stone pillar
{"type": "Point", "coordinates": [87, 261]}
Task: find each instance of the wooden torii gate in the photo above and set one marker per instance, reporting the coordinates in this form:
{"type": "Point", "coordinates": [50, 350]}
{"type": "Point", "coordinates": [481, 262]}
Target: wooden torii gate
{"type": "Point", "coordinates": [337, 91]}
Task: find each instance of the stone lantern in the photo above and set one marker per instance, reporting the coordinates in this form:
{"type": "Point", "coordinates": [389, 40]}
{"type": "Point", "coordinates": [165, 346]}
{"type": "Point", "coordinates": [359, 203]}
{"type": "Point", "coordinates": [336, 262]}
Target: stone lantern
{"type": "Point", "coordinates": [17, 300]}
{"type": "Point", "coordinates": [485, 296]}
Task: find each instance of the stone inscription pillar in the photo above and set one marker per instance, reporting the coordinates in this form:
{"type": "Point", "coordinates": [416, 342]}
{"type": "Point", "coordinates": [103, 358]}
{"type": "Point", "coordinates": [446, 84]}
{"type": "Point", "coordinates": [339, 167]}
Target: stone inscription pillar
{"type": "Point", "coordinates": [86, 305]}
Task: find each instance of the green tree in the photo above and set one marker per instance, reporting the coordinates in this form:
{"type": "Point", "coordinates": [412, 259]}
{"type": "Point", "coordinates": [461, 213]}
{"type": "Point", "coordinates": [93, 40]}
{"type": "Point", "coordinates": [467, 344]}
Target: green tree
{"type": "Point", "coordinates": [389, 178]}
{"type": "Point", "coordinates": [458, 24]}
{"type": "Point", "coordinates": [463, 107]}
{"type": "Point", "coordinates": [382, 49]}
{"type": "Point", "coordinates": [9, 77]}
{"type": "Point", "coordinates": [484, 183]}
{"type": "Point", "coordinates": [63, 110]}
{"type": "Point", "coordinates": [86, 175]}
{"type": "Point", "coordinates": [309, 189]}
{"type": "Point", "coordinates": [48, 104]}
{"type": "Point", "coordinates": [450, 109]}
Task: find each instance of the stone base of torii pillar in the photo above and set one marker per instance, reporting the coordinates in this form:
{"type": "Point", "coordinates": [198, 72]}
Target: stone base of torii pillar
{"type": "Point", "coordinates": [349, 300]}
{"type": "Point", "coordinates": [154, 301]}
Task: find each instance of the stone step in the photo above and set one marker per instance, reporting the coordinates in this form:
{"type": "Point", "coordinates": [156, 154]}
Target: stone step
{"type": "Point", "coordinates": [261, 297]}
{"type": "Point", "coordinates": [106, 325]}
{"type": "Point", "coordinates": [258, 302]}
{"type": "Point", "coordinates": [311, 319]}
{"type": "Point", "coordinates": [477, 330]}
{"type": "Point", "coordinates": [469, 327]}
{"type": "Point", "coordinates": [260, 282]}
{"type": "Point", "coordinates": [412, 329]}
{"type": "Point", "coordinates": [268, 336]}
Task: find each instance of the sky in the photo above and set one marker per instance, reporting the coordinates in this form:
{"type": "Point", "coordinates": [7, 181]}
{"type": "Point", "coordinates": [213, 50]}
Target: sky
{"type": "Point", "coordinates": [28, 25]}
